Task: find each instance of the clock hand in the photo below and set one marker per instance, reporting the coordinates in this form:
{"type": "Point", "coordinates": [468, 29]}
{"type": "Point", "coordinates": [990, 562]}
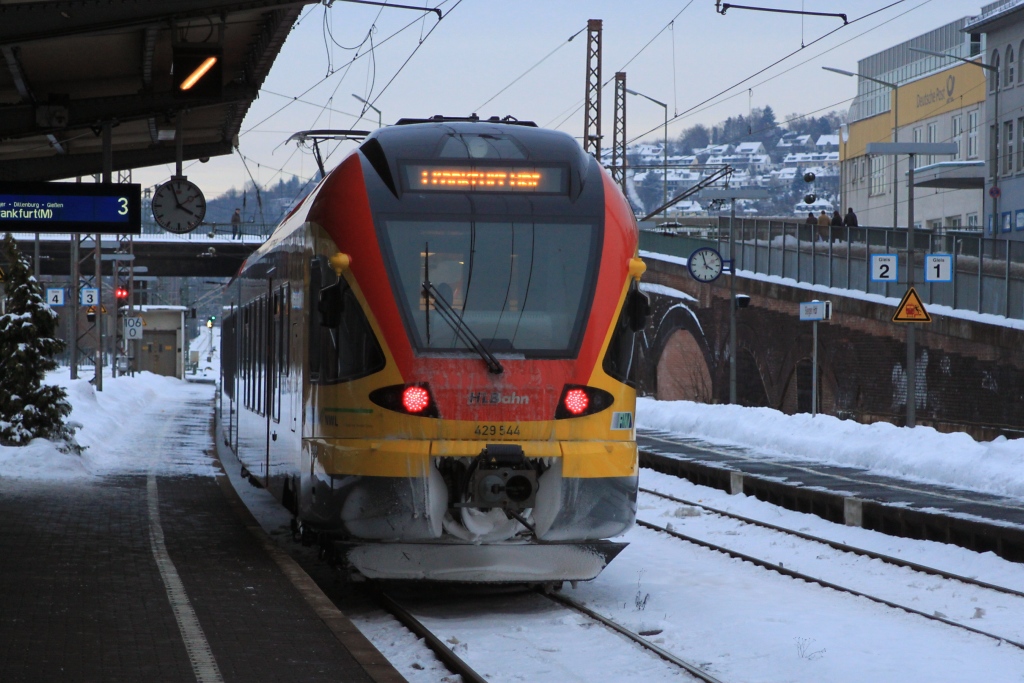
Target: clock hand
{"type": "Point", "coordinates": [174, 192]}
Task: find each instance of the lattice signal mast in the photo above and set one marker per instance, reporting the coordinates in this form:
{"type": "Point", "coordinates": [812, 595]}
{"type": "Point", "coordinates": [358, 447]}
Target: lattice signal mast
{"type": "Point", "coordinates": [592, 104]}
{"type": "Point", "coordinates": [619, 132]}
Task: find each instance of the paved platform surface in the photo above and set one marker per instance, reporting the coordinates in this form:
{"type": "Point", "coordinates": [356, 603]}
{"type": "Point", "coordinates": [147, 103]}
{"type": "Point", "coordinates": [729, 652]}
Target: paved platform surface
{"type": "Point", "coordinates": [154, 576]}
{"type": "Point", "coordinates": [847, 494]}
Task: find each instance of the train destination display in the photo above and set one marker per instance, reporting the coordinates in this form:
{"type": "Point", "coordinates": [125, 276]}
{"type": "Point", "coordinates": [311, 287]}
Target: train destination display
{"type": "Point", "coordinates": [440, 178]}
{"type": "Point", "coordinates": [71, 208]}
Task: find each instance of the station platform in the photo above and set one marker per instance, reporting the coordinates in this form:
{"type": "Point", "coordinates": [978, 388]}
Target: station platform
{"type": "Point", "coordinates": [161, 576]}
{"type": "Point", "coordinates": [845, 495]}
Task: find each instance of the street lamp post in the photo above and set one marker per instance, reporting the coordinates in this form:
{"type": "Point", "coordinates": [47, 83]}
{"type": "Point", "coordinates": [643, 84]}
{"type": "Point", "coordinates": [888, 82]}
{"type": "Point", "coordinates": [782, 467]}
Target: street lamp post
{"type": "Point", "coordinates": [895, 131]}
{"type": "Point", "coordinates": [732, 195]}
{"type": "Point", "coordinates": [379, 124]}
{"type": "Point", "coordinates": [994, 148]}
{"type": "Point", "coordinates": [665, 150]}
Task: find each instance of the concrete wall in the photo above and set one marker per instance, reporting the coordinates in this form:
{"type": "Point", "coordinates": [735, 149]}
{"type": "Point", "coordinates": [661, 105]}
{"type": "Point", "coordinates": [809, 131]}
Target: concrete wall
{"type": "Point", "coordinates": [970, 375]}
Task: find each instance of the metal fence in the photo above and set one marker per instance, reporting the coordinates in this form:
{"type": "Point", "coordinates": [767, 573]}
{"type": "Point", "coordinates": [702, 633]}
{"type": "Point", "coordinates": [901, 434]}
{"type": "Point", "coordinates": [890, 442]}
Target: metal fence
{"type": "Point", "coordinates": [988, 274]}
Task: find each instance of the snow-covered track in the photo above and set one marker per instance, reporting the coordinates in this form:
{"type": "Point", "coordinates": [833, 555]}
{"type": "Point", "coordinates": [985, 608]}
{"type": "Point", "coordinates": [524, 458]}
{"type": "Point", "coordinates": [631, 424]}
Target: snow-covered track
{"type": "Point", "coordinates": [888, 559]}
{"type": "Point", "coordinates": [781, 569]}
{"type": "Point", "coordinates": [451, 660]}
{"type": "Point", "coordinates": [445, 625]}
{"type": "Point", "coordinates": [635, 637]}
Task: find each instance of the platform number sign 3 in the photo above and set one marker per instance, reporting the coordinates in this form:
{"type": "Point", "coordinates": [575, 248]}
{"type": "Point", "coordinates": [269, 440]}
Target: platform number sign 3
{"type": "Point", "coordinates": [90, 296]}
{"type": "Point", "coordinates": [938, 267]}
{"type": "Point", "coordinates": [884, 268]}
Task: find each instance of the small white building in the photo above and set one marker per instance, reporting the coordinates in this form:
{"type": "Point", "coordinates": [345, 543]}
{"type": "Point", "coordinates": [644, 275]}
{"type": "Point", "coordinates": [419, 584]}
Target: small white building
{"type": "Point", "coordinates": [162, 347]}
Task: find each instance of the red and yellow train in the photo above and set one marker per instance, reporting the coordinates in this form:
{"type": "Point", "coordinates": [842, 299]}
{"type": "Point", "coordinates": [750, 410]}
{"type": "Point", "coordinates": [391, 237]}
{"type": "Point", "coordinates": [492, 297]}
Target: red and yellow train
{"type": "Point", "coordinates": [429, 361]}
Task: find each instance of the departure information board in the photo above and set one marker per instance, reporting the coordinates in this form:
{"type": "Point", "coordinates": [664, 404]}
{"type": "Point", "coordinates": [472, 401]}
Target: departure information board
{"type": "Point", "coordinates": [71, 208]}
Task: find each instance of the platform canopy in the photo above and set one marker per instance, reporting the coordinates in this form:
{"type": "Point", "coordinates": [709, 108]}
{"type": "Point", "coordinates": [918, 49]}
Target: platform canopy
{"type": "Point", "coordinates": [954, 175]}
{"type": "Point", "coordinates": [71, 66]}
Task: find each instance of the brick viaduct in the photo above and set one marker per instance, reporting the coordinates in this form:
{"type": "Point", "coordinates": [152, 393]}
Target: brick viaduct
{"type": "Point", "coordinates": [970, 375]}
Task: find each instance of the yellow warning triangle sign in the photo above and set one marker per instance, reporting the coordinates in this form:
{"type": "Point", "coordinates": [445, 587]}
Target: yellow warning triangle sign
{"type": "Point", "coordinates": [2, 276]}
{"type": "Point", "coordinates": [911, 309]}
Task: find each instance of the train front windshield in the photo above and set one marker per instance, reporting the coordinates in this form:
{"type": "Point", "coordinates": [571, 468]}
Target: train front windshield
{"type": "Point", "coordinates": [522, 286]}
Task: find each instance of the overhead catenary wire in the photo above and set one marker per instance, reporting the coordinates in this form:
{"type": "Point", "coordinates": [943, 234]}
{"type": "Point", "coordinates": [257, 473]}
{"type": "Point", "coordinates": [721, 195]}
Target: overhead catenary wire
{"type": "Point", "coordinates": [520, 77]}
{"type": "Point", "coordinates": [760, 71]}
{"type": "Point", "coordinates": [319, 82]}
{"type": "Point", "coordinates": [325, 106]}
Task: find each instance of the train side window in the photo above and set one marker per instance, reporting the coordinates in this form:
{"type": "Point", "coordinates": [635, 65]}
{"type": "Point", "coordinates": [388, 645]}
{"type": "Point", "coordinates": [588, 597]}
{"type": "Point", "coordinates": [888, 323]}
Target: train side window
{"type": "Point", "coordinates": [347, 346]}
{"type": "Point", "coordinates": [228, 356]}
{"type": "Point", "coordinates": [274, 359]}
{"type": "Point", "coordinates": [618, 360]}
{"type": "Point", "coordinates": [286, 318]}
{"type": "Point", "coordinates": [313, 333]}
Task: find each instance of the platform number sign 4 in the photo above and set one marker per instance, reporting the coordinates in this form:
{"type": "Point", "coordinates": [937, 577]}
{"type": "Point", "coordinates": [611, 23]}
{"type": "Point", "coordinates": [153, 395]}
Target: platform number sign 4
{"type": "Point", "coordinates": [938, 267]}
{"type": "Point", "coordinates": [885, 268]}
{"type": "Point", "coordinates": [54, 296]}
{"type": "Point", "coordinates": [90, 296]}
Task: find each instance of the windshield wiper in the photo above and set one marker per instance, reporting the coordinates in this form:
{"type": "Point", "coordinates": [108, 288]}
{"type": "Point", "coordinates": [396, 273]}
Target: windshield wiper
{"type": "Point", "coordinates": [462, 330]}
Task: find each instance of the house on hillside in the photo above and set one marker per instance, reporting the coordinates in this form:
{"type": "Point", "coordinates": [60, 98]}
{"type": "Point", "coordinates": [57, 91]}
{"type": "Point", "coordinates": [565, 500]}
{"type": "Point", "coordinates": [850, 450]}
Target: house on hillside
{"type": "Point", "coordinates": [801, 159]}
{"type": "Point", "coordinates": [827, 143]}
{"type": "Point", "coordinates": [750, 148]}
{"type": "Point", "coordinates": [793, 142]}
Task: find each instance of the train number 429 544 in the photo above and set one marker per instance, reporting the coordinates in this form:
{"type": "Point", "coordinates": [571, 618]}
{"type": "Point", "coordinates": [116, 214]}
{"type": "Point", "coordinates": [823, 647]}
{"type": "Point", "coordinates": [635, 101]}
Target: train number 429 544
{"type": "Point", "coordinates": [496, 430]}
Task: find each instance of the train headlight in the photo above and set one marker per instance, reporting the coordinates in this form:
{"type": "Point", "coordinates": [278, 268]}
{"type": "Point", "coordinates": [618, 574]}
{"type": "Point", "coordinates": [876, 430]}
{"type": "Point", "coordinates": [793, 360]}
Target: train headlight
{"type": "Point", "coordinates": [415, 399]}
{"type": "Point", "coordinates": [578, 400]}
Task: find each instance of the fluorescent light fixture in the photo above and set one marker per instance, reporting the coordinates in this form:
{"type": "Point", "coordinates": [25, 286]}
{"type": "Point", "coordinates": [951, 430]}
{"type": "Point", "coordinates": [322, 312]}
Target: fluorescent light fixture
{"type": "Point", "coordinates": [165, 134]}
{"type": "Point", "coordinates": [198, 73]}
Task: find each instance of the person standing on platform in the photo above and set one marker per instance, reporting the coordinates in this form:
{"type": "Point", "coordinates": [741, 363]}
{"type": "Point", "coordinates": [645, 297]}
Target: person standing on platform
{"type": "Point", "coordinates": [811, 220]}
{"type": "Point", "coordinates": [822, 226]}
{"type": "Point", "coordinates": [236, 224]}
{"type": "Point", "coordinates": [837, 218]}
{"type": "Point", "coordinates": [851, 218]}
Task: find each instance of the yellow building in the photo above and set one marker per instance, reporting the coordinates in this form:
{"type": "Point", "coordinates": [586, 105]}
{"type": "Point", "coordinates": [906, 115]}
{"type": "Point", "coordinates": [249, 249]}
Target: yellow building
{"type": "Point", "coordinates": [937, 100]}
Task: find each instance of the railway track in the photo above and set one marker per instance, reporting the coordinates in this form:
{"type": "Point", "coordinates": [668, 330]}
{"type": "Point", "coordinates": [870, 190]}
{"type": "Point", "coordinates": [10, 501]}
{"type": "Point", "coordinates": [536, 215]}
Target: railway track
{"type": "Point", "coordinates": [457, 665]}
{"type": "Point", "coordinates": [842, 547]}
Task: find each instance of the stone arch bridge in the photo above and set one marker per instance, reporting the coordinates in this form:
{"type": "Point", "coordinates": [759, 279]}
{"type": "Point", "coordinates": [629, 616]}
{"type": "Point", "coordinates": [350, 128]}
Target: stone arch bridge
{"type": "Point", "coordinates": [970, 374]}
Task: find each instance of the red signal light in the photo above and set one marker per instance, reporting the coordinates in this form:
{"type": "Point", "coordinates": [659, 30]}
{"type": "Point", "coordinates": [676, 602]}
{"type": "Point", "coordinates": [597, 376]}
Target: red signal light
{"type": "Point", "coordinates": [121, 293]}
{"type": "Point", "coordinates": [415, 399]}
{"type": "Point", "coordinates": [576, 401]}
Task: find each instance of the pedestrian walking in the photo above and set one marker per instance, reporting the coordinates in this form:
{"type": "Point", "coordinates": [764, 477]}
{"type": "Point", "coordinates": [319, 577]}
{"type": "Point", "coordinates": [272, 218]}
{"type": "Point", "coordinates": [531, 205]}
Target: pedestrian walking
{"type": "Point", "coordinates": [811, 220]}
{"type": "Point", "coordinates": [236, 224]}
{"type": "Point", "coordinates": [837, 218]}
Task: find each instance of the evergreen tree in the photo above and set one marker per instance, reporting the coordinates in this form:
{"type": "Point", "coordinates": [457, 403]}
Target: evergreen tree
{"type": "Point", "coordinates": [28, 408]}
{"type": "Point", "coordinates": [694, 137]}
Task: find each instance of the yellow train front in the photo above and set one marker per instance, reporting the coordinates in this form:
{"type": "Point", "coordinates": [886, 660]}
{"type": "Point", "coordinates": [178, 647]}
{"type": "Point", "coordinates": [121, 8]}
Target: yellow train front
{"type": "Point", "coordinates": [430, 360]}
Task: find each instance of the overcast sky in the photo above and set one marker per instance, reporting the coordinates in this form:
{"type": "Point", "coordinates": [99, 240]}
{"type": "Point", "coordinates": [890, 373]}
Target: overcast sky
{"type": "Point", "coordinates": [481, 47]}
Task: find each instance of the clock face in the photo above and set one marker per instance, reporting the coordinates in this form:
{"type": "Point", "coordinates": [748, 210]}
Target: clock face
{"type": "Point", "coordinates": [705, 264]}
{"type": "Point", "coordinates": [179, 205]}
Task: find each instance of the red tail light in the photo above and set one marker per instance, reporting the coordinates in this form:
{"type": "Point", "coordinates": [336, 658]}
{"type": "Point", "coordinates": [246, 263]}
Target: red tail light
{"type": "Point", "coordinates": [576, 401]}
{"type": "Point", "coordinates": [415, 399]}
{"type": "Point", "coordinates": [411, 399]}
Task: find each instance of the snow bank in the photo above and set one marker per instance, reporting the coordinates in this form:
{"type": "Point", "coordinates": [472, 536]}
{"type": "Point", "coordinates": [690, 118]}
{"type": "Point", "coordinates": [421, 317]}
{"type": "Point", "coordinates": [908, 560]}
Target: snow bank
{"type": "Point", "coordinates": [920, 454]}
